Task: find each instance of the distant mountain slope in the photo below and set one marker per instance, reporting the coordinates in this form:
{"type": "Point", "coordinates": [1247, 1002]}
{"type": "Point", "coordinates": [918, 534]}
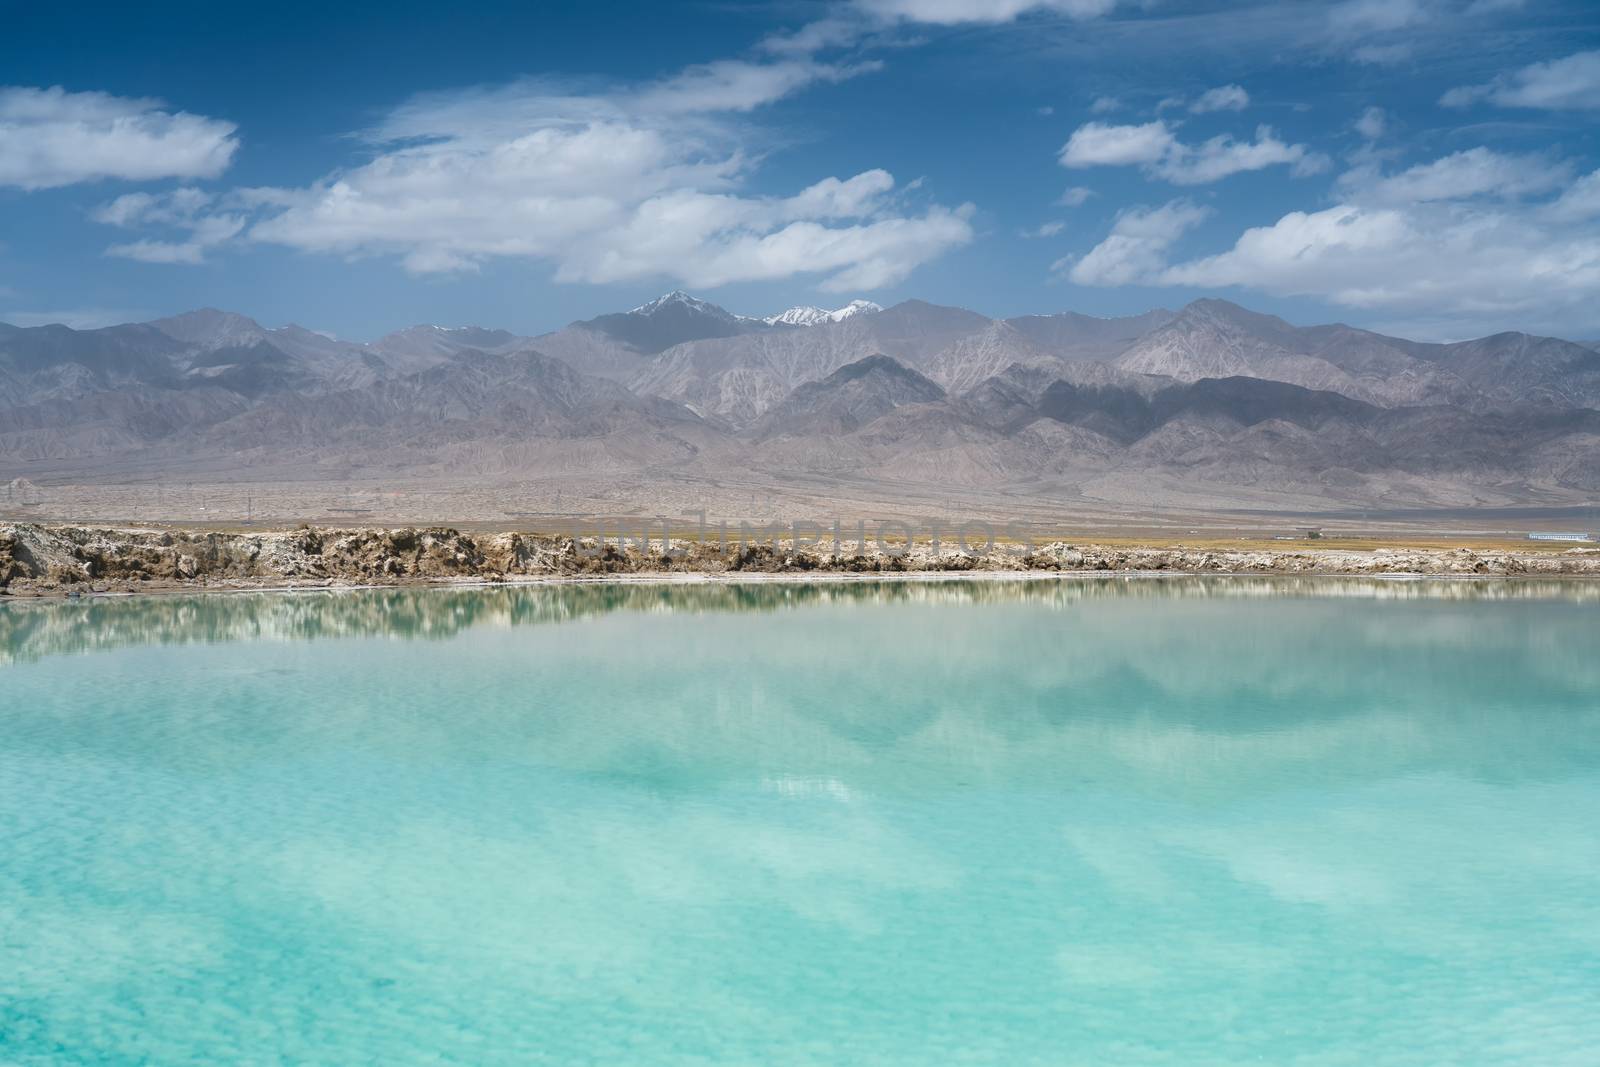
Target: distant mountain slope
{"type": "Point", "coordinates": [1213, 339]}
{"type": "Point", "coordinates": [1211, 404]}
{"type": "Point", "coordinates": [1071, 336]}
{"type": "Point", "coordinates": [477, 395]}
{"type": "Point", "coordinates": [848, 399]}
{"type": "Point", "coordinates": [1516, 368]}
{"type": "Point", "coordinates": [1125, 414]}
{"type": "Point", "coordinates": [977, 357]}
{"type": "Point", "coordinates": [738, 378]}
{"type": "Point", "coordinates": [621, 345]}
{"type": "Point", "coordinates": [420, 347]}
{"type": "Point", "coordinates": [670, 320]}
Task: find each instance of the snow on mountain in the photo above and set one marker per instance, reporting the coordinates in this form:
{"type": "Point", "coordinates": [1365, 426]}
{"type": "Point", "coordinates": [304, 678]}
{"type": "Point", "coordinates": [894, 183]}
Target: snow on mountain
{"type": "Point", "coordinates": [679, 301]}
{"type": "Point", "coordinates": [815, 316]}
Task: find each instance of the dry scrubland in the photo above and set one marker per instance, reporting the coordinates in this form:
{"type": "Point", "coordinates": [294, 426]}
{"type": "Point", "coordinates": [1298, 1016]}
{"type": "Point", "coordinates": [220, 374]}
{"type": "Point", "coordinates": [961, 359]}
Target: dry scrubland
{"type": "Point", "coordinates": [37, 559]}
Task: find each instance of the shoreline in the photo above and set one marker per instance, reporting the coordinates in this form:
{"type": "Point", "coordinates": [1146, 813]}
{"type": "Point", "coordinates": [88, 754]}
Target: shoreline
{"type": "Point", "coordinates": [691, 578]}
{"type": "Point", "coordinates": [67, 560]}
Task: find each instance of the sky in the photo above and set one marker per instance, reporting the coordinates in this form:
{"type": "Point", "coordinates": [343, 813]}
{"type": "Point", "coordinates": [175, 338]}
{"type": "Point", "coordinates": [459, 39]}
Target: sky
{"type": "Point", "coordinates": [1423, 167]}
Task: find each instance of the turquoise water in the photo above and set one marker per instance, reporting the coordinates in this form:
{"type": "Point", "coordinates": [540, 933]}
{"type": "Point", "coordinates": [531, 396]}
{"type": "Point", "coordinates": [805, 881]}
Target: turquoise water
{"type": "Point", "coordinates": [1177, 822]}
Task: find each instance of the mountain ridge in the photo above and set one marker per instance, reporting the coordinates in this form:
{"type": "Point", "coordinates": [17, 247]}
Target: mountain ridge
{"type": "Point", "coordinates": [1212, 402]}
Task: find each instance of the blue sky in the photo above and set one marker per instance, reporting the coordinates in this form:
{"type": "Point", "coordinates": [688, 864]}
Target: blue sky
{"type": "Point", "coordinates": [1422, 166]}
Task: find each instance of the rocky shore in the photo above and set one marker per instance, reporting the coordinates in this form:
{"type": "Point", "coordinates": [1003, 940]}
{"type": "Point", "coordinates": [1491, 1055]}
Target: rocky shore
{"type": "Point", "coordinates": [39, 559]}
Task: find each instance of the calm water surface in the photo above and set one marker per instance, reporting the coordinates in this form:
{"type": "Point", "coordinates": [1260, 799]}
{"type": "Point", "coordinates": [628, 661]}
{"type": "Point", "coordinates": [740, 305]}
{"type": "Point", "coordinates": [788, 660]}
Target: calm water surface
{"type": "Point", "coordinates": [1176, 822]}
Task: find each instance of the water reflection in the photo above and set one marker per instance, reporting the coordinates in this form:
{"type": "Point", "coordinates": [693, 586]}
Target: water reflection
{"type": "Point", "coordinates": [1175, 686]}
{"type": "Point", "coordinates": [1151, 821]}
{"type": "Point", "coordinates": [30, 629]}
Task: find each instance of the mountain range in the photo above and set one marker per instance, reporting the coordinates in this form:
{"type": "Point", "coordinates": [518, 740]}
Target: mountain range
{"type": "Point", "coordinates": [1210, 406]}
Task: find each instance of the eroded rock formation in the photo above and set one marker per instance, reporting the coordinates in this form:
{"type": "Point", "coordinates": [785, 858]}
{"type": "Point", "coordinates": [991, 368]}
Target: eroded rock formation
{"type": "Point", "coordinates": [49, 559]}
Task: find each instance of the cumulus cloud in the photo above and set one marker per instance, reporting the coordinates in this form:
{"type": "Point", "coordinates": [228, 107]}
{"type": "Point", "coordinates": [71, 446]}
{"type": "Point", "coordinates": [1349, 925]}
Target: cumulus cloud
{"type": "Point", "coordinates": [1076, 196]}
{"type": "Point", "coordinates": [1104, 105]}
{"type": "Point", "coordinates": [1579, 203]}
{"type": "Point", "coordinates": [1156, 148]}
{"type": "Point", "coordinates": [1372, 123]}
{"type": "Point", "coordinates": [1475, 172]}
{"type": "Point", "coordinates": [1354, 18]}
{"type": "Point", "coordinates": [855, 22]}
{"type": "Point", "coordinates": [1381, 32]}
{"type": "Point", "coordinates": [1221, 157]}
{"type": "Point", "coordinates": [51, 137]}
{"type": "Point", "coordinates": [1572, 83]}
{"type": "Point", "coordinates": [1458, 236]}
{"type": "Point", "coordinates": [1222, 98]}
{"type": "Point", "coordinates": [1098, 144]}
{"type": "Point", "coordinates": [1444, 257]}
{"type": "Point", "coordinates": [188, 210]}
{"type": "Point", "coordinates": [636, 183]}
{"type": "Point", "coordinates": [1048, 229]}
{"type": "Point", "coordinates": [955, 12]}
{"type": "Point", "coordinates": [1137, 246]}
{"type": "Point", "coordinates": [132, 209]}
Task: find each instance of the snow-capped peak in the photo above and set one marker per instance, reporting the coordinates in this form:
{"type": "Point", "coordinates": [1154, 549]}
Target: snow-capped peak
{"type": "Point", "coordinates": [798, 316]}
{"type": "Point", "coordinates": [815, 316]}
{"type": "Point", "coordinates": [679, 298]}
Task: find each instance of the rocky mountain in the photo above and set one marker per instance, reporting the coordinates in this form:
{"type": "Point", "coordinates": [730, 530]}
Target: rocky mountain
{"type": "Point", "coordinates": [848, 399]}
{"type": "Point", "coordinates": [670, 320]}
{"type": "Point", "coordinates": [736, 379]}
{"type": "Point", "coordinates": [1213, 338]}
{"type": "Point", "coordinates": [420, 347]}
{"type": "Point", "coordinates": [1071, 336]}
{"type": "Point", "coordinates": [1210, 406]}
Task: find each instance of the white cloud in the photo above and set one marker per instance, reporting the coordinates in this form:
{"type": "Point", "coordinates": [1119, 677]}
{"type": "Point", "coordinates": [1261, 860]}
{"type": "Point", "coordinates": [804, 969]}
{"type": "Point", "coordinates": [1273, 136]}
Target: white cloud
{"type": "Point", "coordinates": [1454, 238]}
{"type": "Point", "coordinates": [1357, 17]}
{"type": "Point", "coordinates": [131, 209]}
{"type": "Point", "coordinates": [1154, 147]}
{"type": "Point", "coordinates": [1097, 144]}
{"type": "Point", "coordinates": [1221, 157]}
{"type": "Point", "coordinates": [1580, 202]}
{"type": "Point", "coordinates": [816, 36]}
{"type": "Point", "coordinates": [632, 184]}
{"type": "Point", "coordinates": [1048, 229]}
{"type": "Point", "coordinates": [1380, 32]}
{"type": "Point", "coordinates": [955, 12]}
{"type": "Point", "coordinates": [1137, 246]}
{"type": "Point", "coordinates": [1222, 98]}
{"type": "Point", "coordinates": [834, 199]}
{"type": "Point", "coordinates": [1372, 123]}
{"type": "Point", "coordinates": [1443, 257]}
{"type": "Point", "coordinates": [1104, 105]}
{"type": "Point", "coordinates": [1475, 172]}
{"type": "Point", "coordinates": [1076, 196]}
{"type": "Point", "coordinates": [737, 85]}
{"type": "Point", "coordinates": [185, 209]}
{"type": "Point", "coordinates": [1572, 83]}
{"type": "Point", "coordinates": [50, 138]}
